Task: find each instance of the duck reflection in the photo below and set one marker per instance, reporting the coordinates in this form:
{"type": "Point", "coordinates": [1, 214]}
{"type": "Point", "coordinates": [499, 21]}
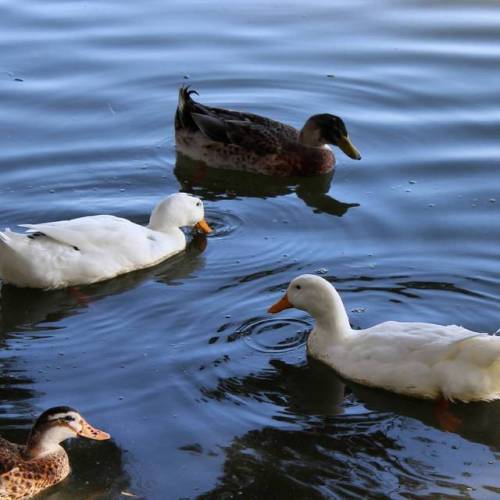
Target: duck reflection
{"type": "Point", "coordinates": [24, 308]}
{"type": "Point", "coordinates": [332, 437]}
{"type": "Point", "coordinates": [215, 184]}
{"type": "Point", "coordinates": [302, 388]}
{"type": "Point", "coordinates": [478, 421]}
{"type": "Point", "coordinates": [316, 389]}
{"type": "Point", "coordinates": [313, 451]}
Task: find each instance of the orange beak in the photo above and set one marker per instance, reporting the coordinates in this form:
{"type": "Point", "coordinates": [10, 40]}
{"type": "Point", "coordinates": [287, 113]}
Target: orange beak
{"type": "Point", "coordinates": [92, 433]}
{"type": "Point", "coordinates": [283, 303]}
{"type": "Point", "coordinates": [203, 226]}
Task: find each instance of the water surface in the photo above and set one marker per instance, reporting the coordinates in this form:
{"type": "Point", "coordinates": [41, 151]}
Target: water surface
{"type": "Point", "coordinates": [203, 392]}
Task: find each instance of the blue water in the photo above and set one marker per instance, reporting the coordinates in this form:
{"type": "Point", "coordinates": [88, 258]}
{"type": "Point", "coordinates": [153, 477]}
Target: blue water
{"type": "Point", "coordinates": [203, 392]}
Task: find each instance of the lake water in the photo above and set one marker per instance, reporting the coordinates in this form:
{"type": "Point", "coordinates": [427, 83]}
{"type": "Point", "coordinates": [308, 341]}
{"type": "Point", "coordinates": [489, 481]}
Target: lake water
{"type": "Point", "coordinates": [204, 393]}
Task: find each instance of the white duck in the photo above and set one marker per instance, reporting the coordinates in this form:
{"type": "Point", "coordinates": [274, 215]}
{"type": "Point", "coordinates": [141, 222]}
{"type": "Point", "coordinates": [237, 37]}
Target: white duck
{"type": "Point", "coordinates": [95, 248]}
{"type": "Point", "coordinates": [415, 359]}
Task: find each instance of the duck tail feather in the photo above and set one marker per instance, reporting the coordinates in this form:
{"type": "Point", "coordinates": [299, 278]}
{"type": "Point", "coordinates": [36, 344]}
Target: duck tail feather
{"type": "Point", "coordinates": [185, 101]}
{"type": "Point", "coordinates": [185, 107]}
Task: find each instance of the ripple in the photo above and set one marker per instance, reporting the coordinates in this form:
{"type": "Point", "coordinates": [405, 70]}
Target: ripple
{"type": "Point", "coordinates": [222, 222]}
{"type": "Point", "coordinates": [274, 335]}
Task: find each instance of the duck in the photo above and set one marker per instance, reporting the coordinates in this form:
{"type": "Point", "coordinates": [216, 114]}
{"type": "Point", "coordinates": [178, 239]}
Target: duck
{"type": "Point", "coordinates": [26, 470]}
{"type": "Point", "coordinates": [422, 360]}
{"type": "Point", "coordinates": [237, 140]}
{"type": "Point", "coordinates": [90, 249]}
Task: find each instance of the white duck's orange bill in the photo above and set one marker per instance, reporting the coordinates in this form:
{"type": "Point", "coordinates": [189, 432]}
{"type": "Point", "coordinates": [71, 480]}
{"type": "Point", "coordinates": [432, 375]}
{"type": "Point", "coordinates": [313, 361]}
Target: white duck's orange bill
{"type": "Point", "coordinates": [203, 226]}
{"type": "Point", "coordinates": [283, 303]}
{"type": "Point", "coordinates": [92, 433]}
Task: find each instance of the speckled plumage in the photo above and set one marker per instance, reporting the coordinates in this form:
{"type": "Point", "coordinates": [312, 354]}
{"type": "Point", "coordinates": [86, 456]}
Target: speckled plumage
{"type": "Point", "coordinates": [43, 462]}
{"type": "Point", "coordinates": [21, 478]}
{"type": "Point", "coordinates": [245, 141]}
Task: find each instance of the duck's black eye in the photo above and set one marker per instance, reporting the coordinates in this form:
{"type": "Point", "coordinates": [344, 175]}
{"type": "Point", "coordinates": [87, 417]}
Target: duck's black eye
{"type": "Point", "coordinates": [69, 418]}
{"type": "Point", "coordinates": [297, 287]}
{"type": "Point", "coordinates": [198, 204]}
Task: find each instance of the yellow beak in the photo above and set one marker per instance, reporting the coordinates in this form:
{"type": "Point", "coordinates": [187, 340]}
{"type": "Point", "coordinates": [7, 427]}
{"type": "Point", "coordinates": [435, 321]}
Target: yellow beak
{"type": "Point", "coordinates": [204, 227]}
{"type": "Point", "coordinates": [345, 144]}
{"type": "Point", "coordinates": [283, 303]}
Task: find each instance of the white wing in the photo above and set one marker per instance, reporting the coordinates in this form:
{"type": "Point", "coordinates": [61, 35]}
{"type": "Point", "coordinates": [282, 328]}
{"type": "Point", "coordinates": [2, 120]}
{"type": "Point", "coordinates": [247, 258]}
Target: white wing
{"type": "Point", "coordinates": [81, 251]}
{"type": "Point", "coordinates": [87, 233]}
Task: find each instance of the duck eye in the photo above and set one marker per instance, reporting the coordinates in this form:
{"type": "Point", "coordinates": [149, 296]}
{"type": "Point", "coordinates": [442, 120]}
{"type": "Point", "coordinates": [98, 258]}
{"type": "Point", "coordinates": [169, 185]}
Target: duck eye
{"type": "Point", "coordinates": [198, 204]}
{"type": "Point", "coordinates": [69, 418]}
{"type": "Point", "coordinates": [297, 287]}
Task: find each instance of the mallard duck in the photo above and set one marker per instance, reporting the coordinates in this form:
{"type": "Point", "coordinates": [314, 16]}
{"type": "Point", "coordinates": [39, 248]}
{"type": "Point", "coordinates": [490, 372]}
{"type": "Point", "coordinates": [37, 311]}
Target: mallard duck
{"type": "Point", "coordinates": [414, 359]}
{"type": "Point", "coordinates": [95, 248]}
{"type": "Point", "coordinates": [245, 141]}
{"type": "Point", "coordinates": [25, 470]}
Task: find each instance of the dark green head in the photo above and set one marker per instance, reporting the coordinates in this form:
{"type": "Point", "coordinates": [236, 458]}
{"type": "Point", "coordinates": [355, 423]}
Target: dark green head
{"type": "Point", "coordinates": [328, 129]}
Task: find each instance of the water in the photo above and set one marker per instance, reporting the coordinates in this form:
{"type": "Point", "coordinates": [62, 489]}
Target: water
{"type": "Point", "coordinates": [203, 392]}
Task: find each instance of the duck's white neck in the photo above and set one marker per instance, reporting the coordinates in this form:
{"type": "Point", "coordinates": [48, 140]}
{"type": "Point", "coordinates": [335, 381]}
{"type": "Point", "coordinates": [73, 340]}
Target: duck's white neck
{"type": "Point", "coordinates": [163, 227]}
{"type": "Point", "coordinates": [332, 323]}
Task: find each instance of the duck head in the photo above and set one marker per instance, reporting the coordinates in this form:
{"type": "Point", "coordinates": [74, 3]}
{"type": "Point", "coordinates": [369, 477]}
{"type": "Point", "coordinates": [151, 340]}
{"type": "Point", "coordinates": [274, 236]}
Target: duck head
{"type": "Point", "coordinates": [328, 129]}
{"type": "Point", "coordinates": [319, 298]}
{"type": "Point", "coordinates": [179, 210]}
{"type": "Point", "coordinates": [58, 424]}
{"type": "Point", "coordinates": [307, 292]}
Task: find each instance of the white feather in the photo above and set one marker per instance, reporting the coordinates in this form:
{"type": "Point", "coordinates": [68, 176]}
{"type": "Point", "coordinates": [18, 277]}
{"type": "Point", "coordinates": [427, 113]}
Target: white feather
{"type": "Point", "coordinates": [416, 359]}
{"type": "Point", "coordinates": [91, 249]}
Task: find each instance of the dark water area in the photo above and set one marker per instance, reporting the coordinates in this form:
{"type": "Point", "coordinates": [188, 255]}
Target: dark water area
{"type": "Point", "coordinates": [203, 392]}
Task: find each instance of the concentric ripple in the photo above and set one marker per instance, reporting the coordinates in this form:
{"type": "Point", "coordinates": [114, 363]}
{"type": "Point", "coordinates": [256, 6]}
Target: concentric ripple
{"type": "Point", "coordinates": [274, 335]}
{"type": "Point", "coordinates": [223, 222]}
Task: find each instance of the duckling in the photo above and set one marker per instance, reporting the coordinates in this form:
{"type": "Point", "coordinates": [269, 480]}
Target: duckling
{"type": "Point", "coordinates": [42, 462]}
{"type": "Point", "coordinates": [422, 360]}
{"type": "Point", "coordinates": [244, 141]}
{"type": "Point", "coordinates": [90, 249]}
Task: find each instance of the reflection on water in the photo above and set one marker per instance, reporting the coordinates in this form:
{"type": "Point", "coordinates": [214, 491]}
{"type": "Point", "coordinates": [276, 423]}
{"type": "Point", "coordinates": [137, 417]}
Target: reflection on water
{"type": "Point", "coordinates": [342, 437]}
{"type": "Point", "coordinates": [301, 392]}
{"type": "Point", "coordinates": [98, 470]}
{"type": "Point", "coordinates": [315, 462]}
{"type": "Point", "coordinates": [215, 184]}
{"type": "Point", "coordinates": [23, 309]}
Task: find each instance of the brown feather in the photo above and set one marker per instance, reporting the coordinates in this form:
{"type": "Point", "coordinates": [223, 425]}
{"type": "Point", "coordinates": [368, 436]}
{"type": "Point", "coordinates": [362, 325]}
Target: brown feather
{"type": "Point", "coordinates": [245, 141]}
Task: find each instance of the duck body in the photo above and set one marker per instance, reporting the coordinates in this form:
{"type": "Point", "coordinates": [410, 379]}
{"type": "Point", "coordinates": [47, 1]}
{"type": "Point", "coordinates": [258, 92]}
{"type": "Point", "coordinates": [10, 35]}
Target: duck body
{"type": "Point", "coordinates": [245, 141]}
{"type": "Point", "coordinates": [421, 360]}
{"type": "Point", "coordinates": [22, 478]}
{"type": "Point", "coordinates": [417, 359]}
{"type": "Point", "coordinates": [95, 248]}
{"type": "Point", "coordinates": [27, 470]}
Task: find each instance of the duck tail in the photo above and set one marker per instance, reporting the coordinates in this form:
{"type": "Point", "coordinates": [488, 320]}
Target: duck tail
{"type": "Point", "coordinates": [185, 106]}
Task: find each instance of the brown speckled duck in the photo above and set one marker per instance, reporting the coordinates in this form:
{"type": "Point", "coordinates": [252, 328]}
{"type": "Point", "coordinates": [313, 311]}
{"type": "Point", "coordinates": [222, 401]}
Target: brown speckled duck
{"type": "Point", "coordinates": [27, 470]}
{"type": "Point", "coordinates": [245, 141]}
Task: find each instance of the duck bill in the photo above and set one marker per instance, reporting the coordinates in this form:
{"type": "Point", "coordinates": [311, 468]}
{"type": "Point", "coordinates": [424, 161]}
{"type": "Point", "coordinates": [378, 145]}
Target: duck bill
{"type": "Point", "coordinates": [345, 144]}
{"type": "Point", "coordinates": [282, 304]}
{"type": "Point", "coordinates": [92, 433]}
{"type": "Point", "coordinates": [203, 226]}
